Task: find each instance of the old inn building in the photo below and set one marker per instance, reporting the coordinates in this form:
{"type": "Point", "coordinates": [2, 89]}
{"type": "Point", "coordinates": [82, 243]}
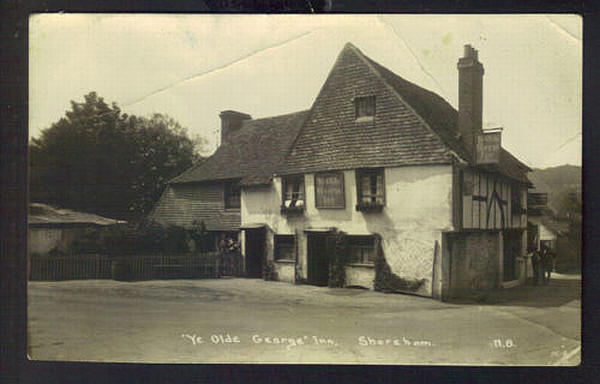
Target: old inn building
{"type": "Point", "coordinates": [390, 167]}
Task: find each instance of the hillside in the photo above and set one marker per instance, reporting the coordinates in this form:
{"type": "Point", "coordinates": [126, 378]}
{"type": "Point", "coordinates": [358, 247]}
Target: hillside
{"type": "Point", "coordinates": [557, 182]}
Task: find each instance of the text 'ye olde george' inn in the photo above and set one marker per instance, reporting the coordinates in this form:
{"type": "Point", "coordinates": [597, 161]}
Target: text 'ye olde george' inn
{"type": "Point", "coordinates": [412, 188]}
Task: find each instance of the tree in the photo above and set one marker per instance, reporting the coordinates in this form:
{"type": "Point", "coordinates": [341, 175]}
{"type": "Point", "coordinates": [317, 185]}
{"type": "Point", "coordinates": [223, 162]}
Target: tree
{"type": "Point", "coordinates": [98, 159]}
{"type": "Point", "coordinates": [571, 211]}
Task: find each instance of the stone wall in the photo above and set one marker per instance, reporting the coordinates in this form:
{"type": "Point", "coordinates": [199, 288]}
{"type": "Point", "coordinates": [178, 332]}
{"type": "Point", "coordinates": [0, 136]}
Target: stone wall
{"type": "Point", "coordinates": [471, 262]}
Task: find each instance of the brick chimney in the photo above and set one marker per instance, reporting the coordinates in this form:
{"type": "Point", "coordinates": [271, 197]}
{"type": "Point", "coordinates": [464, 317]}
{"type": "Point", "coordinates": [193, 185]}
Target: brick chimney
{"type": "Point", "coordinates": [231, 121]}
{"type": "Point", "coordinates": [470, 98]}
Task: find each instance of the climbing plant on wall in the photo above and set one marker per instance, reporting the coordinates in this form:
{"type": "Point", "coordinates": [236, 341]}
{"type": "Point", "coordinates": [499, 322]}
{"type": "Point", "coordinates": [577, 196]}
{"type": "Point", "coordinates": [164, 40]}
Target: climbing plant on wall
{"type": "Point", "coordinates": [386, 280]}
{"type": "Point", "coordinates": [338, 258]}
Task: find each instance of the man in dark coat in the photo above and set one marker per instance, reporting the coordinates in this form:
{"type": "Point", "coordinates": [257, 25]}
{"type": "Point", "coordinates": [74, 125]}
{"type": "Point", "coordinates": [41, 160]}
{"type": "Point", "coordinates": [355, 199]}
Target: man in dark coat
{"type": "Point", "coordinates": [546, 264]}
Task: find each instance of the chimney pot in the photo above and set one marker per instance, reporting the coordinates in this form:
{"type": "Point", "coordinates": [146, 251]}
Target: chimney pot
{"type": "Point", "coordinates": [467, 50]}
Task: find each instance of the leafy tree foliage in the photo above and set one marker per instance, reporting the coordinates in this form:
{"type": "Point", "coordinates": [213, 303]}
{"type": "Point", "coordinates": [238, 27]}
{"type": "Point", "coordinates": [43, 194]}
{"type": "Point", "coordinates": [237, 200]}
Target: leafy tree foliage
{"type": "Point", "coordinates": [571, 210]}
{"type": "Point", "coordinates": [98, 159]}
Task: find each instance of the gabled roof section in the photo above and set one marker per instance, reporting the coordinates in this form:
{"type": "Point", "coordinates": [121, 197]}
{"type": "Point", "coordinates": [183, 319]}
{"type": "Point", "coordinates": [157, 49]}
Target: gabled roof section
{"type": "Point", "coordinates": [332, 138]}
{"type": "Point", "coordinates": [441, 117]}
{"type": "Point", "coordinates": [251, 154]}
{"type": "Point", "coordinates": [412, 125]}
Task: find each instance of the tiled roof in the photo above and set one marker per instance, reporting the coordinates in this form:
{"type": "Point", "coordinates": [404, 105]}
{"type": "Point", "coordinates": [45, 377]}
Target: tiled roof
{"type": "Point", "coordinates": [412, 125]}
{"type": "Point", "coordinates": [443, 119]}
{"type": "Point", "coordinates": [42, 214]}
{"type": "Point", "coordinates": [556, 226]}
{"type": "Point", "coordinates": [251, 154]}
{"type": "Point", "coordinates": [437, 112]}
{"type": "Point", "coordinates": [509, 166]}
{"type": "Point", "coordinates": [332, 137]}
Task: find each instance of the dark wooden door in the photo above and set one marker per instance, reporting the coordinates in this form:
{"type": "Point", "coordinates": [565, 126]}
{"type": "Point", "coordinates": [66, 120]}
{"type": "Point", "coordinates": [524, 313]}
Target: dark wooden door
{"type": "Point", "coordinates": [318, 262]}
{"type": "Point", "coordinates": [512, 249]}
{"type": "Point", "coordinates": [255, 252]}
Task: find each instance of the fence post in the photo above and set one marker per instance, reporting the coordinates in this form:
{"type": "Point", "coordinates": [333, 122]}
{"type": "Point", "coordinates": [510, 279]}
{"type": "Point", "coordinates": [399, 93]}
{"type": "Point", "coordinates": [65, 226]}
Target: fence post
{"type": "Point", "coordinates": [218, 265]}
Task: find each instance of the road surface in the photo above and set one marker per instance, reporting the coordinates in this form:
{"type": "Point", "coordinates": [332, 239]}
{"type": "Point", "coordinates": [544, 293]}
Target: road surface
{"type": "Point", "coordinates": [254, 321]}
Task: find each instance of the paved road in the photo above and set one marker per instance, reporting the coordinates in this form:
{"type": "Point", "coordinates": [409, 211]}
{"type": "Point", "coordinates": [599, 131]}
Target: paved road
{"type": "Point", "coordinates": [245, 320]}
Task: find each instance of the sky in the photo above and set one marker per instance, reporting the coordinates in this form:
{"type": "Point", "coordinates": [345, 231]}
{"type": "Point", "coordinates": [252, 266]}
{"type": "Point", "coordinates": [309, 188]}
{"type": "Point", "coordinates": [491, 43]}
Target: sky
{"type": "Point", "coordinates": [192, 67]}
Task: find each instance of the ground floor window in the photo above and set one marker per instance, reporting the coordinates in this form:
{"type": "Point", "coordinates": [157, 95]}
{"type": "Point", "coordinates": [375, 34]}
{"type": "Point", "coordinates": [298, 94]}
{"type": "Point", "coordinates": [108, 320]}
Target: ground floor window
{"type": "Point", "coordinates": [284, 247]}
{"type": "Point", "coordinates": [361, 249]}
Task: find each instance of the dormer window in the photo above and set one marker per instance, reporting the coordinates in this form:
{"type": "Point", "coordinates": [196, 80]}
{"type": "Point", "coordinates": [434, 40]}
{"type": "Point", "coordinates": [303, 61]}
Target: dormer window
{"type": "Point", "coordinates": [364, 108]}
{"type": "Point", "coordinates": [293, 194]}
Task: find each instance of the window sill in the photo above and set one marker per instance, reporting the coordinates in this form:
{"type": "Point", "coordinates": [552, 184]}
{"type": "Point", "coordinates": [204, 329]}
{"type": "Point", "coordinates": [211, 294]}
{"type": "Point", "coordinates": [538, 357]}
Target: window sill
{"type": "Point", "coordinates": [285, 261]}
{"type": "Point", "coordinates": [292, 210]}
{"type": "Point", "coordinates": [364, 119]}
{"type": "Point", "coordinates": [369, 207]}
{"type": "Point", "coordinates": [362, 265]}
{"type": "Point", "coordinates": [331, 207]}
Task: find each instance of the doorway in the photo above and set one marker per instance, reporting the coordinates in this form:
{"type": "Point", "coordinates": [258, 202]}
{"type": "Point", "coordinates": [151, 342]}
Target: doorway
{"type": "Point", "coordinates": [317, 260]}
{"type": "Point", "coordinates": [255, 252]}
{"type": "Point", "coordinates": [512, 249]}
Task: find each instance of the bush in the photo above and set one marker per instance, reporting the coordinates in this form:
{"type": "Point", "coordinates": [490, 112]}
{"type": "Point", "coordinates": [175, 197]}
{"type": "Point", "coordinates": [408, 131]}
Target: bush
{"type": "Point", "coordinates": [269, 273]}
{"type": "Point", "coordinates": [146, 237]}
{"type": "Point", "coordinates": [337, 249]}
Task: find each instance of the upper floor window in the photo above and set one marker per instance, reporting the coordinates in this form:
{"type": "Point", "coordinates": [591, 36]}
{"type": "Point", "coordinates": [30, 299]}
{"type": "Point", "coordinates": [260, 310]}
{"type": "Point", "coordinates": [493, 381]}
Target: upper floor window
{"type": "Point", "coordinates": [329, 190]}
{"type": "Point", "coordinates": [370, 189]}
{"type": "Point", "coordinates": [293, 193]}
{"type": "Point", "coordinates": [232, 195]}
{"type": "Point", "coordinates": [364, 107]}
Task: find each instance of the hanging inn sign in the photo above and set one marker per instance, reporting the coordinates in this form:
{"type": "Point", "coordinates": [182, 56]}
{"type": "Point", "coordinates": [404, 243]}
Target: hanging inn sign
{"type": "Point", "coordinates": [488, 146]}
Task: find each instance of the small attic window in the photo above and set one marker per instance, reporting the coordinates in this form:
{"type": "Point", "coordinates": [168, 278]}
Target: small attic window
{"type": "Point", "coordinates": [364, 107]}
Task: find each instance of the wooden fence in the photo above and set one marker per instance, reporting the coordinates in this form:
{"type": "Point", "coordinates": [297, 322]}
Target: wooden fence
{"type": "Point", "coordinates": [135, 267]}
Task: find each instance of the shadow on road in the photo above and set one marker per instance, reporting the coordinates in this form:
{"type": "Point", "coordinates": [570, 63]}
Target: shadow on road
{"type": "Point", "coordinates": [558, 292]}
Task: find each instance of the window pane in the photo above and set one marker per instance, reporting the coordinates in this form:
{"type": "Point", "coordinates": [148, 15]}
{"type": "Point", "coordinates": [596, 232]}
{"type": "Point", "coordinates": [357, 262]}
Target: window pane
{"type": "Point", "coordinates": [284, 247]}
{"type": "Point", "coordinates": [361, 249]}
{"type": "Point", "coordinates": [293, 191]}
{"type": "Point", "coordinates": [380, 193]}
{"type": "Point", "coordinates": [329, 190]}
{"type": "Point", "coordinates": [371, 186]}
{"type": "Point", "coordinates": [364, 106]}
{"type": "Point", "coordinates": [232, 195]}
{"type": "Point", "coordinates": [365, 188]}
